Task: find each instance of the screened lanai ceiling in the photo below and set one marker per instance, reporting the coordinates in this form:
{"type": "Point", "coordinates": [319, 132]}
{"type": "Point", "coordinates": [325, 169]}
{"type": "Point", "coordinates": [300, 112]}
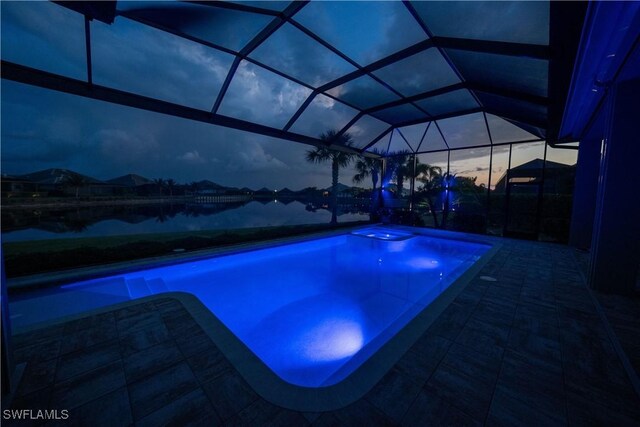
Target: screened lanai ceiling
{"type": "Point", "coordinates": [396, 76]}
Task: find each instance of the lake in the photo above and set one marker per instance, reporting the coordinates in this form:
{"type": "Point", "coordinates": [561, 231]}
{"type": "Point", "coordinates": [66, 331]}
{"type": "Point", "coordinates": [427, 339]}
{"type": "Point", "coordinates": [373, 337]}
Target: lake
{"type": "Point", "coordinates": [57, 223]}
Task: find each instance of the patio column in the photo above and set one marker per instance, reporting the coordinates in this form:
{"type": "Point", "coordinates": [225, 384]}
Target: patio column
{"type": "Point", "coordinates": [586, 189]}
{"type": "Point", "coordinates": [615, 249]}
{"type": "Point", "coordinates": [7, 355]}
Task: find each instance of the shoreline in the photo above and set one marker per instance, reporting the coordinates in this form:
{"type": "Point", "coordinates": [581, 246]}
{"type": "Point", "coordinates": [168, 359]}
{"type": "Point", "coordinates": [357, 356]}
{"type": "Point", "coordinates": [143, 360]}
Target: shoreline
{"type": "Point", "coordinates": [90, 203]}
{"type": "Point", "coordinates": [200, 199]}
{"type": "Point", "coordinates": [27, 258]}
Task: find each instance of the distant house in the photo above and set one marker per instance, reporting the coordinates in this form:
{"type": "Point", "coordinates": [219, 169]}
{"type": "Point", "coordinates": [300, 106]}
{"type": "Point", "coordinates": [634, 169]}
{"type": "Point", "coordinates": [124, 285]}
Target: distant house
{"type": "Point", "coordinates": [131, 180]}
{"type": "Point", "coordinates": [237, 191]}
{"type": "Point", "coordinates": [311, 192]}
{"type": "Point", "coordinates": [264, 192]}
{"type": "Point", "coordinates": [57, 181]}
{"type": "Point", "coordinates": [208, 188]}
{"type": "Point", "coordinates": [15, 186]}
{"type": "Point", "coordinates": [340, 187]}
{"type": "Point", "coordinates": [558, 177]}
{"type": "Point", "coordinates": [135, 184]}
{"type": "Point", "coordinates": [285, 192]}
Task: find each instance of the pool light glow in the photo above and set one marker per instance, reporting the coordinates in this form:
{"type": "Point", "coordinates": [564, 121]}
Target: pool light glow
{"type": "Point", "coordinates": [313, 311]}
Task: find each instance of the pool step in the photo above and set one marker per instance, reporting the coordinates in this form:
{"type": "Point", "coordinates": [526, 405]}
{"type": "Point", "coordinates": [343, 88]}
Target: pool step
{"type": "Point", "coordinates": [138, 287]}
{"type": "Point", "coordinates": [157, 286]}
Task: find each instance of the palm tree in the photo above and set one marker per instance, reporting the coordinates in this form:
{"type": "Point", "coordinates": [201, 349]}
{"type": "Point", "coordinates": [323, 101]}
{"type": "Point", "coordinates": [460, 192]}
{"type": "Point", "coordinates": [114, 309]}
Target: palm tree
{"type": "Point", "coordinates": [337, 158]}
{"type": "Point", "coordinates": [464, 188]}
{"type": "Point", "coordinates": [193, 187]}
{"type": "Point", "coordinates": [170, 185]}
{"type": "Point", "coordinates": [369, 167]}
{"type": "Point", "coordinates": [75, 180]}
{"type": "Point", "coordinates": [160, 183]}
{"type": "Point", "coordinates": [431, 179]}
{"type": "Point", "coordinates": [399, 166]}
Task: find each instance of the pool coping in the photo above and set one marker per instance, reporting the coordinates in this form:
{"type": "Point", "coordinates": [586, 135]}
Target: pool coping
{"type": "Point", "coordinates": [307, 399]}
{"type": "Point", "coordinates": [50, 279]}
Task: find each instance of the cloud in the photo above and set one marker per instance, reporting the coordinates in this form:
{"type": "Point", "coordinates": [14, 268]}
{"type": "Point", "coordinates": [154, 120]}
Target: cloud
{"type": "Point", "coordinates": [254, 158]}
{"type": "Point", "coordinates": [44, 129]}
{"type": "Point", "coordinates": [44, 35]}
{"type": "Point", "coordinates": [356, 130]}
{"type": "Point", "coordinates": [201, 56]}
{"type": "Point", "coordinates": [124, 146]}
{"type": "Point", "coordinates": [151, 62]}
{"type": "Point", "coordinates": [473, 170]}
{"type": "Point", "coordinates": [325, 101]}
{"type": "Point", "coordinates": [260, 96]}
{"type": "Point", "coordinates": [192, 157]}
{"type": "Point", "coordinates": [297, 54]}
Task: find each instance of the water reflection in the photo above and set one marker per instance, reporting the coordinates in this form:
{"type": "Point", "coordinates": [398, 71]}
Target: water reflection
{"type": "Point", "coordinates": [65, 222]}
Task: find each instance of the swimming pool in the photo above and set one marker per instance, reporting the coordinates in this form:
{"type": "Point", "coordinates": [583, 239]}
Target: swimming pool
{"type": "Point", "coordinates": [311, 311]}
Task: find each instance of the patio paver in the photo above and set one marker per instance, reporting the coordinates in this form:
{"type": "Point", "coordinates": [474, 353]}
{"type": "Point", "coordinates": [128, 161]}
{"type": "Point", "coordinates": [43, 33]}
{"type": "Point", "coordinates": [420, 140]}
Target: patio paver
{"type": "Point", "coordinates": [527, 349]}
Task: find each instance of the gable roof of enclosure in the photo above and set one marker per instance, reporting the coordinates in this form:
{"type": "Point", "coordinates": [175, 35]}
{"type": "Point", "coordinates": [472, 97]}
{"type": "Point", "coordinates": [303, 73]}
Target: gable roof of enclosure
{"type": "Point", "coordinates": [416, 76]}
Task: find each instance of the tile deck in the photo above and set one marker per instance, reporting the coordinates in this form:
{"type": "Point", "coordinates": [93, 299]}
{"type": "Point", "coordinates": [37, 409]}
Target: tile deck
{"type": "Point", "coordinates": [526, 349]}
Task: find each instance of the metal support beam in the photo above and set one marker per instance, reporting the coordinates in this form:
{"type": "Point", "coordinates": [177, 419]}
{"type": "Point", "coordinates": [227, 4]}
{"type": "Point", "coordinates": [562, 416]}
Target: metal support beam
{"type": "Point", "coordinates": [348, 125]}
{"type": "Point", "coordinates": [486, 122]}
{"type": "Point", "coordinates": [405, 140]}
{"type": "Point", "coordinates": [22, 74]}
{"type": "Point", "coordinates": [499, 48]}
{"type": "Point", "coordinates": [443, 53]}
{"type": "Point", "coordinates": [510, 116]}
{"type": "Point", "coordinates": [559, 146]}
{"type": "Point", "coordinates": [225, 84]}
{"type": "Point", "coordinates": [262, 36]}
{"type": "Point", "coordinates": [280, 18]}
{"type": "Point", "coordinates": [87, 43]}
{"type": "Point", "coordinates": [476, 146]}
{"type": "Point", "coordinates": [404, 53]}
{"type": "Point", "coordinates": [378, 138]}
{"type": "Point", "coordinates": [176, 32]}
{"type": "Point", "coordinates": [236, 6]}
{"type": "Point", "coordinates": [419, 97]}
{"type": "Point", "coordinates": [519, 96]}
{"type": "Point", "coordinates": [540, 204]}
{"type": "Point", "coordinates": [300, 110]}
{"type": "Point", "coordinates": [565, 22]}
{"type": "Point", "coordinates": [412, 189]}
{"type": "Point", "coordinates": [6, 348]}
{"type": "Point", "coordinates": [424, 134]}
{"type": "Point", "coordinates": [346, 58]}
{"type": "Point", "coordinates": [507, 188]}
{"type": "Point", "coordinates": [508, 93]}
{"type": "Point", "coordinates": [442, 135]}
{"type": "Point", "coordinates": [502, 48]}
{"type": "Point", "coordinates": [440, 117]}
{"type": "Point", "coordinates": [103, 11]}
{"type": "Point", "coordinates": [253, 44]}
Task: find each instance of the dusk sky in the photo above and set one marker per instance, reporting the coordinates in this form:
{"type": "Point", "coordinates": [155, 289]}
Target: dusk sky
{"type": "Point", "coordinates": [45, 129]}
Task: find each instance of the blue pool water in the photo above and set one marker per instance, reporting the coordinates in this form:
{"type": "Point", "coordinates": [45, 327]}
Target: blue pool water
{"type": "Point", "coordinates": [311, 311]}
